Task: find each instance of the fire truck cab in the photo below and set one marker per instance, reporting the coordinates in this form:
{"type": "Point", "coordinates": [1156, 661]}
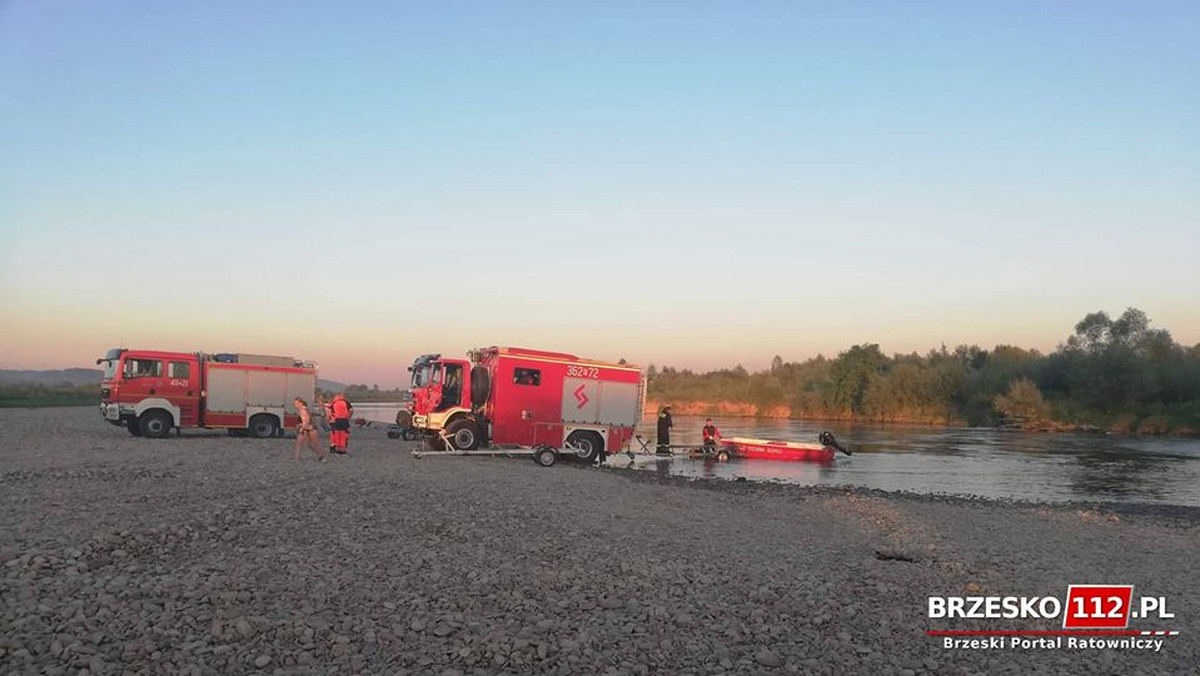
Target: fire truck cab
{"type": "Point", "coordinates": [522, 397]}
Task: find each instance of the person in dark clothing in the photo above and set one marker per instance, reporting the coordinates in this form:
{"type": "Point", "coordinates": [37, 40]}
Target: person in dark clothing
{"type": "Point", "coordinates": [664, 431]}
{"type": "Point", "coordinates": [711, 435]}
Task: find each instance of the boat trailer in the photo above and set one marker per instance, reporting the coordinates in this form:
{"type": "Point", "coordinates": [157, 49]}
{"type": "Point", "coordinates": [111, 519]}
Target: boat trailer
{"type": "Point", "coordinates": [546, 455]}
{"type": "Point", "coordinates": [543, 454]}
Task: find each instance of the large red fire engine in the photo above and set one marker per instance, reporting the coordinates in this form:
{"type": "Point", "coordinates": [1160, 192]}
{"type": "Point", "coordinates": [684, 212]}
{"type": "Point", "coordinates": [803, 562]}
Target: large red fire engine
{"type": "Point", "coordinates": [510, 395]}
{"type": "Point", "coordinates": [152, 392]}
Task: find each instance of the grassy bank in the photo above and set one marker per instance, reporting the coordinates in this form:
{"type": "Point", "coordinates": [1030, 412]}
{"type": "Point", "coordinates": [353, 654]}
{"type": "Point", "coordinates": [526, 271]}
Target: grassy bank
{"type": "Point", "coordinates": [34, 396]}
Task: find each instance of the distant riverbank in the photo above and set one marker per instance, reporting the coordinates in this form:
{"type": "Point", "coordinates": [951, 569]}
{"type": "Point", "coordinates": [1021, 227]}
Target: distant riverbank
{"type": "Point", "coordinates": [1122, 424]}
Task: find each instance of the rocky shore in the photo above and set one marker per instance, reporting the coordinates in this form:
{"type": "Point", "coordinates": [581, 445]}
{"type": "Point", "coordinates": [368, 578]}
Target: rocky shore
{"type": "Point", "coordinates": [208, 554]}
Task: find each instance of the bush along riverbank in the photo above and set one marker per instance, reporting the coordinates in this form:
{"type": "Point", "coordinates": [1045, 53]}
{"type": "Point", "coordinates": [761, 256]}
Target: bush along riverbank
{"type": "Point", "coordinates": [1118, 376]}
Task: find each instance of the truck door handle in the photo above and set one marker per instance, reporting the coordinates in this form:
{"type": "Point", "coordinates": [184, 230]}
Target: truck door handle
{"type": "Point", "coordinates": [151, 390]}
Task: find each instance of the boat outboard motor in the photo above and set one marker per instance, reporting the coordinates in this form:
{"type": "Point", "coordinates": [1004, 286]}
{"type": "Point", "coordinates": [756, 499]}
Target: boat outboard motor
{"type": "Point", "coordinates": [827, 439]}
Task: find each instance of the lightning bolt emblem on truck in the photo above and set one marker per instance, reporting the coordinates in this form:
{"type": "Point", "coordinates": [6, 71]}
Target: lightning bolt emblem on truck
{"type": "Point", "coordinates": [581, 397]}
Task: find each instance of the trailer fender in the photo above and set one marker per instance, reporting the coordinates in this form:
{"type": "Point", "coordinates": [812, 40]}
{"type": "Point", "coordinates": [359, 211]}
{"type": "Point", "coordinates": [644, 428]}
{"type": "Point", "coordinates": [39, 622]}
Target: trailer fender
{"type": "Point", "coordinates": [157, 402]}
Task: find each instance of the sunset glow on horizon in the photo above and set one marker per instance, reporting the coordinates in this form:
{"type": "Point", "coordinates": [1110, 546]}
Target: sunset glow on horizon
{"type": "Point", "coordinates": [694, 186]}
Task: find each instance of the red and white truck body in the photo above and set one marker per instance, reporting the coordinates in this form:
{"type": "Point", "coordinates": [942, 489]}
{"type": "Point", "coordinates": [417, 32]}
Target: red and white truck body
{"type": "Point", "coordinates": [152, 392]}
{"type": "Point", "coordinates": [517, 396]}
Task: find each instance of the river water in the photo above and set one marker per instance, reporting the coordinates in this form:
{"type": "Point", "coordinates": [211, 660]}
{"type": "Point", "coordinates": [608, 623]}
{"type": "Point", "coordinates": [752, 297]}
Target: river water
{"type": "Point", "coordinates": [960, 461]}
{"type": "Point", "coordinates": [957, 461]}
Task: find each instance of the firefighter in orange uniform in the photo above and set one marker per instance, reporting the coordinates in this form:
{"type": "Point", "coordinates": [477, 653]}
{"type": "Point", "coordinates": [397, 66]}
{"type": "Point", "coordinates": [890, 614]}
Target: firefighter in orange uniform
{"type": "Point", "coordinates": [339, 436]}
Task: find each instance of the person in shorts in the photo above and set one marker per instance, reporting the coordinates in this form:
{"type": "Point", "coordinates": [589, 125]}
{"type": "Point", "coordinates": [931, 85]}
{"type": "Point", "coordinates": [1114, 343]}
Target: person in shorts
{"type": "Point", "coordinates": [306, 431]}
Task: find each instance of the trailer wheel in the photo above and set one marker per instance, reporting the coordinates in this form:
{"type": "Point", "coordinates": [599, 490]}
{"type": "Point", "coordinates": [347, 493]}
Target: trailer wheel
{"type": "Point", "coordinates": [463, 434]}
{"type": "Point", "coordinates": [545, 456]}
{"type": "Point", "coordinates": [585, 445]}
{"type": "Point", "coordinates": [155, 424]}
{"type": "Point", "coordinates": [393, 432]}
{"type": "Point", "coordinates": [404, 418]}
{"type": "Point", "coordinates": [408, 434]}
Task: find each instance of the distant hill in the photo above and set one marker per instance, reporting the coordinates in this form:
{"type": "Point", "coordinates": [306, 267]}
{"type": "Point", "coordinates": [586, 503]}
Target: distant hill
{"type": "Point", "coordinates": [83, 376]}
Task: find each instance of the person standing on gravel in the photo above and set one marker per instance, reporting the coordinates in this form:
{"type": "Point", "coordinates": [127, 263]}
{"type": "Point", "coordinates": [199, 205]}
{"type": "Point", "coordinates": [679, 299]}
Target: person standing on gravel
{"type": "Point", "coordinates": [306, 431]}
{"type": "Point", "coordinates": [342, 410]}
{"type": "Point", "coordinates": [327, 419]}
{"type": "Point", "coordinates": [664, 430]}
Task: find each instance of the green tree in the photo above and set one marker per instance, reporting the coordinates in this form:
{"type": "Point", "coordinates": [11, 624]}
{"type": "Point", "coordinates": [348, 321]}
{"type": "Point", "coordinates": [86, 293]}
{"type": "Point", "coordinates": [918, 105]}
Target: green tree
{"type": "Point", "coordinates": [852, 372]}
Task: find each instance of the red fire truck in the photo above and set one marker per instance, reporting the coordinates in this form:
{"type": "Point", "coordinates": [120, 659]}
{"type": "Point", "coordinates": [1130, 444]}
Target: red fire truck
{"type": "Point", "coordinates": [529, 398]}
{"type": "Point", "coordinates": [152, 392]}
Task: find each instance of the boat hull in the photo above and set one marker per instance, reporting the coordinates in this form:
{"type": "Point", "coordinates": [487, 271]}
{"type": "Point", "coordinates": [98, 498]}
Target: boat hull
{"type": "Point", "coordinates": [762, 449]}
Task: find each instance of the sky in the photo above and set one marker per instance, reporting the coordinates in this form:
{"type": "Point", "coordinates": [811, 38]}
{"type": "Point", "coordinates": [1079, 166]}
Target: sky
{"type": "Point", "coordinates": [698, 184]}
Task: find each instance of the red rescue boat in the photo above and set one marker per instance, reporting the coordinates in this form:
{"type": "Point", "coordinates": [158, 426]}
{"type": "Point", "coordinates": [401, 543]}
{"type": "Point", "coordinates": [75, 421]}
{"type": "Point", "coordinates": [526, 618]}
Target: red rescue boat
{"type": "Point", "coordinates": [762, 449]}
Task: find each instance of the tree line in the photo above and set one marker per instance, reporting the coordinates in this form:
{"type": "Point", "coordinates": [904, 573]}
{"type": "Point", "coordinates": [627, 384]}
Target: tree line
{"type": "Point", "coordinates": [1117, 375]}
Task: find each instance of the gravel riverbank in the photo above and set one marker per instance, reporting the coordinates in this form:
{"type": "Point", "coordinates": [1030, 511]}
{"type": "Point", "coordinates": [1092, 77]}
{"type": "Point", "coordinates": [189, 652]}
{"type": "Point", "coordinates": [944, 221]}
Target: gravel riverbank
{"type": "Point", "coordinates": [210, 554]}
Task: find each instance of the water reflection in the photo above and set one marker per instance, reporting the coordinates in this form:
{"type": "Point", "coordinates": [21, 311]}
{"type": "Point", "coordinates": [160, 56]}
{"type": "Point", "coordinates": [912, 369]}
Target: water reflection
{"type": "Point", "coordinates": [985, 462]}
{"type": "Point", "coordinates": [1126, 476]}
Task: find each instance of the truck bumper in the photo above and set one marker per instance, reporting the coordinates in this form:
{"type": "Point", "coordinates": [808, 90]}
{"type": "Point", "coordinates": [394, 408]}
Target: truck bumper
{"type": "Point", "coordinates": [110, 412]}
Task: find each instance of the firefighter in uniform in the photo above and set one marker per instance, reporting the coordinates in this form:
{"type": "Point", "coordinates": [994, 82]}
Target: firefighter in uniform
{"type": "Point", "coordinates": [664, 430]}
{"type": "Point", "coordinates": [340, 434]}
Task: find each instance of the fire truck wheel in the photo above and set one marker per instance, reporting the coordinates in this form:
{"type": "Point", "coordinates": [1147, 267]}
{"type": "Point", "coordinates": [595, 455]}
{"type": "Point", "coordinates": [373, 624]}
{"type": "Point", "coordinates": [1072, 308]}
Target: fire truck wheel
{"type": "Point", "coordinates": [545, 456]}
{"type": "Point", "coordinates": [404, 419]}
{"type": "Point", "coordinates": [434, 443]}
{"type": "Point", "coordinates": [463, 434]}
{"type": "Point", "coordinates": [132, 426]}
{"type": "Point", "coordinates": [263, 426]}
{"type": "Point", "coordinates": [155, 424]}
{"type": "Point", "coordinates": [587, 445]}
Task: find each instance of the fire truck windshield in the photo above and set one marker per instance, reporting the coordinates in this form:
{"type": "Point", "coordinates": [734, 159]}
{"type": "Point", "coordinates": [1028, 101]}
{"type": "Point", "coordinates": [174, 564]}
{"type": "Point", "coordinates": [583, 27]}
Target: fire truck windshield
{"type": "Point", "coordinates": [110, 361]}
{"type": "Point", "coordinates": [422, 375]}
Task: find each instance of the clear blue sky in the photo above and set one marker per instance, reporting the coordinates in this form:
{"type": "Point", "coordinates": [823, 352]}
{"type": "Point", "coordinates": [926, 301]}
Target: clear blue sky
{"type": "Point", "coordinates": [359, 182]}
